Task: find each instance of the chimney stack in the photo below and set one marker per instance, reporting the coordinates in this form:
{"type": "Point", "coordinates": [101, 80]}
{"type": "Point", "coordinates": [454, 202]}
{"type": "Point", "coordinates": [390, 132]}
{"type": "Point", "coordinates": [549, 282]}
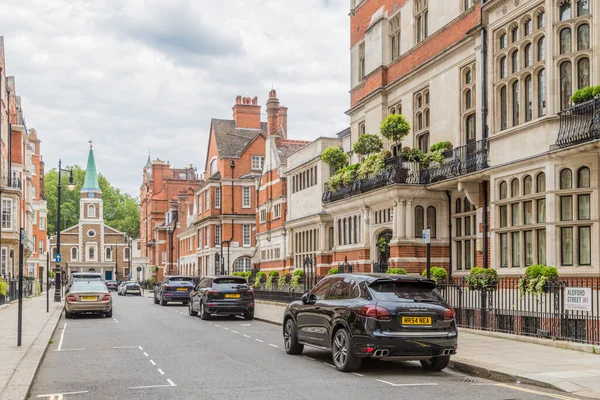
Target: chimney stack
{"type": "Point", "coordinates": [246, 112]}
{"type": "Point", "coordinates": [273, 114]}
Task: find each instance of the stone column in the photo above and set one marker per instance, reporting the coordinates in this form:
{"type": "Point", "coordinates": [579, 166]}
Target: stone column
{"type": "Point", "coordinates": [322, 237]}
{"type": "Point", "coordinates": [395, 220]}
{"type": "Point", "coordinates": [410, 228]}
{"type": "Point", "coordinates": [401, 220]}
{"type": "Point", "coordinates": [367, 226]}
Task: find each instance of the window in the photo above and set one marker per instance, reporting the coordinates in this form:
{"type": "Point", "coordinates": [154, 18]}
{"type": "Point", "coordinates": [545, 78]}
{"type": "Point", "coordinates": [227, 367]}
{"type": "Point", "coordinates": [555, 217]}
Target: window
{"type": "Point", "coordinates": [541, 210]}
{"type": "Point", "coordinates": [207, 234]}
{"type": "Point", "coordinates": [514, 188]}
{"type": "Point", "coordinates": [503, 250]}
{"type": "Point", "coordinates": [361, 62]}
{"type": "Point", "coordinates": [527, 185]}
{"type": "Point", "coordinates": [585, 244]}
{"type": "Point", "coordinates": [421, 20]}
{"type": "Point", "coordinates": [565, 40]}
{"type": "Point", "coordinates": [263, 215]}
{"type": "Point", "coordinates": [516, 220]}
{"type": "Point", "coordinates": [540, 182]}
{"type": "Point", "coordinates": [541, 47]}
{"type": "Point", "coordinates": [583, 37]}
{"type": "Point", "coordinates": [566, 246]}
{"type": "Point", "coordinates": [257, 162]}
{"type": "Point", "coordinates": [527, 27]}
{"type": "Point", "coordinates": [108, 253]}
{"type": "Point", "coordinates": [41, 247]}
{"type": "Point", "coordinates": [73, 253]}
{"type": "Point", "coordinates": [528, 98]}
{"type": "Point", "coordinates": [91, 211]}
{"type": "Point", "coordinates": [394, 27]}
{"type": "Point", "coordinates": [566, 208]}
{"type": "Point", "coordinates": [583, 73]}
{"type": "Point", "coordinates": [528, 55]}
{"type": "Point", "coordinates": [33, 190]}
{"type": "Point", "coordinates": [213, 166]}
{"type": "Point", "coordinates": [431, 221]}
{"type": "Point", "coordinates": [464, 240]}
{"type": "Point", "coordinates": [503, 216]}
{"type": "Point", "coordinates": [566, 179]}
{"type": "Point", "coordinates": [516, 99]}
{"type": "Point", "coordinates": [541, 20]}
{"type": "Point", "coordinates": [419, 221]}
{"type": "Point", "coordinates": [217, 197]}
{"type": "Point", "coordinates": [7, 218]}
{"type": "Point", "coordinates": [91, 233]}
{"type": "Point", "coordinates": [514, 34]}
{"type": "Point", "coordinates": [164, 257]}
{"type": "Point", "coordinates": [126, 254]}
{"type": "Point", "coordinates": [503, 109]}
{"type": "Point", "coordinates": [424, 142]}
{"type": "Point", "coordinates": [583, 177]}
{"type": "Point", "coordinates": [467, 4]}
{"type": "Point", "coordinates": [242, 264]}
{"type": "Point", "coordinates": [91, 253]}
{"type": "Point", "coordinates": [528, 212]}
{"type": "Point", "coordinates": [515, 61]}
{"type": "Point", "coordinates": [528, 246]}
{"type": "Point", "coordinates": [4, 261]}
{"type": "Point", "coordinates": [245, 197]}
{"type": "Point", "coordinates": [583, 207]}
{"type": "Point", "coordinates": [246, 235]}
{"type": "Point", "coordinates": [42, 223]}
{"type": "Point", "coordinates": [583, 7]}
{"type": "Point", "coordinates": [207, 199]}
{"type": "Point", "coordinates": [541, 246]}
{"type": "Point", "coordinates": [565, 10]}
{"type": "Point", "coordinates": [516, 249]}
{"type": "Point", "coordinates": [503, 190]}
{"type": "Point", "coordinates": [502, 41]}
{"type": "Point", "coordinates": [468, 99]}
{"type": "Point", "coordinates": [541, 93]}
{"type": "Point", "coordinates": [217, 235]}
{"type": "Point", "coordinates": [277, 211]}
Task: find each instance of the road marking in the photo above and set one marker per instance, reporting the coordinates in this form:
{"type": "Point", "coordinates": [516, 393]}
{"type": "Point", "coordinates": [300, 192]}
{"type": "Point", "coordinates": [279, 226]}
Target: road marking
{"type": "Point", "coordinates": [226, 328]}
{"type": "Point", "coordinates": [152, 362]}
{"type": "Point", "coordinates": [146, 354]}
{"type": "Point", "coordinates": [218, 326]}
{"type": "Point", "coordinates": [234, 331]}
{"type": "Point", "coordinates": [161, 371]}
{"type": "Point", "coordinates": [273, 345]}
{"type": "Point", "coordinates": [258, 340]}
{"type": "Point", "coordinates": [309, 358]}
{"type": "Point", "coordinates": [60, 394]}
{"type": "Point", "coordinates": [62, 336]}
{"type": "Point", "coordinates": [148, 387]}
{"type": "Point", "coordinates": [329, 365]}
{"type": "Point", "coordinates": [209, 322]}
{"type": "Point", "coordinates": [127, 347]}
{"type": "Point", "coordinates": [245, 335]}
{"type": "Point", "coordinates": [522, 389]}
{"type": "Point", "coordinates": [171, 382]}
{"type": "Point", "coordinates": [356, 373]}
{"type": "Point", "coordinates": [140, 347]}
{"type": "Point", "coordinates": [407, 384]}
{"type": "Point", "coordinates": [70, 349]}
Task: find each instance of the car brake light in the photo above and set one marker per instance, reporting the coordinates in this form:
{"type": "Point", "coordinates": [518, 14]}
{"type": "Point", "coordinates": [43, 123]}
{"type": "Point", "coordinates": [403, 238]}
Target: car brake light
{"type": "Point", "coordinates": [71, 298]}
{"type": "Point", "coordinates": [251, 305]}
{"type": "Point", "coordinates": [106, 297]}
{"type": "Point", "coordinates": [367, 349]}
{"type": "Point", "coordinates": [212, 304]}
{"type": "Point", "coordinates": [448, 314]}
{"type": "Point", "coordinates": [212, 292]}
{"type": "Point", "coordinates": [376, 312]}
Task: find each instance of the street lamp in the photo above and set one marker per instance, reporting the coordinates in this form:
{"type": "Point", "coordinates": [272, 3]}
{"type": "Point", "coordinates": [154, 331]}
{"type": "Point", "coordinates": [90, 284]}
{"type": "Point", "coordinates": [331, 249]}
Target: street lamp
{"type": "Point", "coordinates": [70, 186]}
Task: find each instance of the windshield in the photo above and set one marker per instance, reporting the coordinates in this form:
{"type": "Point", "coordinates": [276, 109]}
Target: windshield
{"type": "Point", "coordinates": [88, 287]}
{"type": "Point", "coordinates": [405, 291]}
{"type": "Point", "coordinates": [181, 279]}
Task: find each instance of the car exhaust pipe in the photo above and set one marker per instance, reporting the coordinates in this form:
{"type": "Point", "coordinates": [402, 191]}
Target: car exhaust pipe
{"type": "Point", "coordinates": [381, 353]}
{"type": "Point", "coordinates": [448, 352]}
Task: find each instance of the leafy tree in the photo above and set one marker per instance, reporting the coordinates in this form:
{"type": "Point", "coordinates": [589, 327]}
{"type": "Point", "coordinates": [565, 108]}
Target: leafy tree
{"type": "Point", "coordinates": [368, 144]}
{"type": "Point", "coordinates": [120, 209]}
{"type": "Point", "coordinates": [395, 127]}
{"type": "Point", "coordinates": [335, 157]}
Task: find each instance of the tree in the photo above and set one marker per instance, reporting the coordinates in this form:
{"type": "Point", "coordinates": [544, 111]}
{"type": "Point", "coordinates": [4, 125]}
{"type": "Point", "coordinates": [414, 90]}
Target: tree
{"type": "Point", "coordinates": [335, 158]}
{"type": "Point", "coordinates": [395, 127]}
{"type": "Point", "coordinates": [120, 209]}
{"type": "Point", "coordinates": [368, 144]}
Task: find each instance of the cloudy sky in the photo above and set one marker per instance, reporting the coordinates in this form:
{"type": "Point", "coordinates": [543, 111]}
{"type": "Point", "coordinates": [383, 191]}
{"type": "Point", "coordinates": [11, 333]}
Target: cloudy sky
{"type": "Point", "coordinates": [147, 75]}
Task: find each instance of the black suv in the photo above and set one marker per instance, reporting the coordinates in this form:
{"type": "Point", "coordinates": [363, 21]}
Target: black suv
{"type": "Point", "coordinates": [358, 316]}
{"type": "Point", "coordinates": [173, 288]}
{"type": "Point", "coordinates": [228, 295]}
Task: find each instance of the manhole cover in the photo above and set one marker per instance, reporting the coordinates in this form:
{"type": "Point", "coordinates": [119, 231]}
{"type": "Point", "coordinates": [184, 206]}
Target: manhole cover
{"type": "Point", "coordinates": [469, 380]}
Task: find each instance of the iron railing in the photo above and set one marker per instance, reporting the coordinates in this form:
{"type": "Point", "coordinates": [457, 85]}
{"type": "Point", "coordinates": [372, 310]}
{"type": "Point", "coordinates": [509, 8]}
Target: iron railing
{"type": "Point", "coordinates": [459, 161]}
{"type": "Point", "coordinates": [579, 124]}
{"type": "Point", "coordinates": [10, 182]}
{"type": "Point", "coordinates": [279, 296]}
{"type": "Point", "coordinates": [12, 292]}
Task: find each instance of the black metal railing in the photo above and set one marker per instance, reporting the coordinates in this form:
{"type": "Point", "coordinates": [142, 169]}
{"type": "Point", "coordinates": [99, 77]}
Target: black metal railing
{"type": "Point", "coordinates": [278, 296]}
{"type": "Point", "coordinates": [459, 161]}
{"type": "Point", "coordinates": [380, 266]}
{"type": "Point", "coordinates": [579, 124]}
{"type": "Point", "coordinates": [10, 182]}
{"type": "Point", "coordinates": [12, 292]}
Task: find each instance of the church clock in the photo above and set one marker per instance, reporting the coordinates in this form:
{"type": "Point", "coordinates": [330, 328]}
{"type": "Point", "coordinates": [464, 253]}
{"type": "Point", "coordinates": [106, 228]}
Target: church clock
{"type": "Point", "coordinates": [91, 195]}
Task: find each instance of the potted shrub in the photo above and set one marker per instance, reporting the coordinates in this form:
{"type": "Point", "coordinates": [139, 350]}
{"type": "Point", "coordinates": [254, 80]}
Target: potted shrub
{"type": "Point", "coordinates": [271, 281]}
{"type": "Point", "coordinates": [260, 278]}
{"type": "Point", "coordinates": [332, 271]}
{"type": "Point", "coordinates": [438, 274]}
{"type": "Point", "coordinates": [3, 287]}
{"type": "Point", "coordinates": [396, 271]}
{"type": "Point", "coordinates": [538, 279]}
{"type": "Point", "coordinates": [285, 277]}
{"type": "Point", "coordinates": [482, 278]}
{"type": "Point", "coordinates": [367, 144]}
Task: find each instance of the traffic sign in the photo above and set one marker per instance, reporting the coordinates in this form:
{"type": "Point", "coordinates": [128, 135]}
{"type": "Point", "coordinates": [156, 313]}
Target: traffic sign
{"type": "Point", "coordinates": [426, 235]}
{"type": "Point", "coordinates": [58, 258]}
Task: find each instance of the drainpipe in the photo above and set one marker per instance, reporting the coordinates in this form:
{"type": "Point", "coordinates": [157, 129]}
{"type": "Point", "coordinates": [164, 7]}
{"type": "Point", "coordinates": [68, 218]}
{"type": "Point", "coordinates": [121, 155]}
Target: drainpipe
{"type": "Point", "coordinates": [485, 224]}
{"type": "Point", "coordinates": [449, 235]}
{"type": "Point", "coordinates": [484, 102]}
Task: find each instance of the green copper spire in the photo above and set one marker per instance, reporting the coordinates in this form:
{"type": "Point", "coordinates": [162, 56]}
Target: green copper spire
{"type": "Point", "coordinates": [90, 184]}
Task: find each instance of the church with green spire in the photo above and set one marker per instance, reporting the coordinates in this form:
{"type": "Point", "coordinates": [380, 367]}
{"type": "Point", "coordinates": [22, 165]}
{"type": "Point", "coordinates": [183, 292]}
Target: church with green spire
{"type": "Point", "coordinates": [91, 245]}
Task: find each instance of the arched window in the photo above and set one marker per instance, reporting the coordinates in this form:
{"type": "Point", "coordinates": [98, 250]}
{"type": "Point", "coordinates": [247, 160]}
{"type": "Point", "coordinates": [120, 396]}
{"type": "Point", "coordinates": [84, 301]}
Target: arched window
{"type": "Point", "coordinates": [528, 55]}
{"type": "Point", "coordinates": [527, 185]}
{"type": "Point", "coordinates": [503, 67]}
{"type": "Point", "coordinates": [514, 188]}
{"type": "Point", "coordinates": [515, 61]}
{"type": "Point", "coordinates": [527, 27]}
{"type": "Point", "coordinates": [126, 254]}
{"type": "Point", "coordinates": [73, 253]}
{"type": "Point", "coordinates": [541, 19]}
{"type": "Point", "coordinates": [516, 94]}
{"type": "Point", "coordinates": [541, 93]}
{"type": "Point", "coordinates": [583, 73]}
{"type": "Point", "coordinates": [583, 37]}
{"type": "Point", "coordinates": [468, 77]}
{"type": "Point", "coordinates": [583, 177]}
{"type": "Point", "coordinates": [528, 98]}
{"type": "Point", "coordinates": [213, 166]}
{"type": "Point", "coordinates": [541, 49]}
{"type": "Point", "coordinates": [431, 221]}
{"type": "Point", "coordinates": [467, 99]}
{"type": "Point", "coordinates": [467, 205]}
{"type": "Point", "coordinates": [514, 34]}
{"type": "Point", "coordinates": [242, 264]}
{"type": "Point", "coordinates": [540, 183]}
{"type": "Point", "coordinates": [419, 221]}
{"type": "Point", "coordinates": [470, 125]}
{"type": "Point", "coordinates": [427, 118]}
{"type": "Point", "coordinates": [502, 41]}
{"type": "Point", "coordinates": [108, 253]}
{"type": "Point", "coordinates": [565, 10]}
{"type": "Point", "coordinates": [91, 211]}
{"type": "Point", "coordinates": [331, 238]}
{"type": "Point", "coordinates": [419, 101]}
{"type": "Point", "coordinates": [458, 206]}
{"type": "Point", "coordinates": [419, 29]}
{"type": "Point", "coordinates": [91, 253]}
{"type": "Point", "coordinates": [583, 7]}
{"type": "Point", "coordinates": [566, 89]}
{"type": "Point", "coordinates": [566, 179]}
{"type": "Point", "coordinates": [565, 41]}
{"type": "Point", "coordinates": [503, 109]}
{"type": "Point", "coordinates": [419, 121]}
{"type": "Point", "coordinates": [503, 190]}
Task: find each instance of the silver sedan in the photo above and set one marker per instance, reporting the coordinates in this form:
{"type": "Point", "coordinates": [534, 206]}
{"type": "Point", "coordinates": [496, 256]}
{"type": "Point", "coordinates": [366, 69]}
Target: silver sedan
{"type": "Point", "coordinates": [88, 297]}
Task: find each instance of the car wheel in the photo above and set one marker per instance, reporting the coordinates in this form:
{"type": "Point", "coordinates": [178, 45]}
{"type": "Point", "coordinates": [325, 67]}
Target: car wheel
{"type": "Point", "coordinates": [163, 302]}
{"type": "Point", "coordinates": [155, 300]}
{"type": "Point", "coordinates": [249, 316]}
{"type": "Point", "coordinates": [185, 303]}
{"type": "Point", "coordinates": [343, 357]}
{"type": "Point", "coordinates": [203, 314]}
{"type": "Point", "coordinates": [290, 338]}
{"type": "Point", "coordinates": [68, 315]}
{"type": "Point", "coordinates": [109, 314]}
{"type": "Point", "coordinates": [191, 310]}
{"type": "Point", "coordinates": [436, 363]}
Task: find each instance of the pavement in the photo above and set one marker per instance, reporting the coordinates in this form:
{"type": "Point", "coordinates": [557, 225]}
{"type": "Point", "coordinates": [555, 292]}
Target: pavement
{"type": "Point", "coordinates": [147, 351]}
{"type": "Point", "coordinates": [18, 365]}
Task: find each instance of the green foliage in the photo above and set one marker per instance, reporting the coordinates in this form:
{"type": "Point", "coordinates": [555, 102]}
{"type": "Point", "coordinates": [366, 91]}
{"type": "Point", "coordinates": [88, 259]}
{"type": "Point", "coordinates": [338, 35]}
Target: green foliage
{"type": "Point", "coordinates": [348, 173]}
{"type": "Point", "coordinates": [120, 209]}
{"type": "Point", "coordinates": [52, 274]}
{"type": "Point", "coordinates": [441, 146]}
{"type": "Point", "coordinates": [332, 271]}
{"type": "Point", "coordinates": [245, 275]}
{"type": "Point", "coordinates": [3, 287]}
{"type": "Point", "coordinates": [151, 281]}
{"type": "Point", "coordinates": [396, 271]}
{"type": "Point", "coordinates": [295, 282]}
{"type": "Point", "coordinates": [372, 165]}
{"type": "Point", "coordinates": [395, 127]}
{"type": "Point", "coordinates": [260, 274]}
{"type": "Point", "coordinates": [37, 290]}
{"type": "Point", "coordinates": [155, 268]}
{"type": "Point", "coordinates": [335, 182]}
{"type": "Point", "coordinates": [274, 273]}
{"type": "Point", "coordinates": [413, 155]}
{"type": "Point", "coordinates": [382, 244]}
{"type": "Point", "coordinates": [536, 278]}
{"type": "Point", "coordinates": [482, 278]}
{"type": "Point", "coordinates": [299, 272]}
{"type": "Point", "coordinates": [367, 144]}
{"type": "Point", "coordinates": [432, 157]}
{"type": "Point", "coordinates": [585, 94]}
{"type": "Point", "coordinates": [335, 157]}
{"type": "Point", "coordinates": [438, 274]}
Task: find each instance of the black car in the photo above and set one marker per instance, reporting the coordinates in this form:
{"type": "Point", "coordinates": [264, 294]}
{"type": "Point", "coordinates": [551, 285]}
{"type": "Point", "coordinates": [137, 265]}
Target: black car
{"type": "Point", "coordinates": [228, 295]}
{"type": "Point", "coordinates": [133, 289]}
{"type": "Point", "coordinates": [358, 316]}
{"type": "Point", "coordinates": [112, 285]}
{"type": "Point", "coordinates": [173, 288]}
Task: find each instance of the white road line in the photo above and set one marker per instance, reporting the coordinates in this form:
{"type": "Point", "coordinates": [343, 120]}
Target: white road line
{"type": "Point", "coordinates": [273, 345]}
{"type": "Point", "coordinates": [152, 362]}
{"type": "Point", "coordinates": [309, 358]}
{"type": "Point", "coordinates": [356, 373]}
{"type": "Point", "coordinates": [235, 331]}
{"type": "Point", "coordinates": [161, 371]}
{"type": "Point", "coordinates": [146, 354]}
{"type": "Point", "coordinates": [62, 336]}
{"type": "Point", "coordinates": [406, 384]}
{"type": "Point", "coordinates": [209, 322]}
{"type": "Point", "coordinates": [226, 328]}
{"type": "Point", "coordinates": [148, 387]}
{"type": "Point", "coordinates": [126, 347]}
{"type": "Point", "coordinates": [116, 320]}
{"type": "Point", "coordinates": [329, 365]}
{"type": "Point", "coordinates": [171, 382]}
{"type": "Point", "coordinates": [218, 326]}
{"type": "Point", "coordinates": [258, 340]}
{"type": "Point", "coordinates": [61, 394]}
{"type": "Point", "coordinates": [70, 349]}
{"type": "Point", "coordinates": [140, 347]}
{"type": "Point", "coordinates": [245, 335]}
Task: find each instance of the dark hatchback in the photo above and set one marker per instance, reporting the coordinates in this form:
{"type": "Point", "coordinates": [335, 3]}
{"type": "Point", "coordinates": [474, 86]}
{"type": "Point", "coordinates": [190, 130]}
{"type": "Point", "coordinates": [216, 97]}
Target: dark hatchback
{"type": "Point", "coordinates": [173, 288]}
{"type": "Point", "coordinates": [357, 316]}
{"type": "Point", "coordinates": [227, 295]}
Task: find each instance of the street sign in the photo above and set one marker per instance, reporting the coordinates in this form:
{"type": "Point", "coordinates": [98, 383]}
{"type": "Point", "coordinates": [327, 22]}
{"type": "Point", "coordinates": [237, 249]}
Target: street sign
{"type": "Point", "coordinates": [578, 299]}
{"type": "Point", "coordinates": [426, 235]}
{"type": "Point", "coordinates": [58, 258]}
{"type": "Point", "coordinates": [129, 275]}
{"type": "Point", "coordinates": [139, 269]}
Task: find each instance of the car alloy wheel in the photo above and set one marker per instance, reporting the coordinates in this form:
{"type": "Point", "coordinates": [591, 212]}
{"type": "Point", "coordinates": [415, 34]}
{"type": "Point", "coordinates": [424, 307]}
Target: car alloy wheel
{"type": "Point", "coordinates": [340, 349]}
{"type": "Point", "coordinates": [290, 339]}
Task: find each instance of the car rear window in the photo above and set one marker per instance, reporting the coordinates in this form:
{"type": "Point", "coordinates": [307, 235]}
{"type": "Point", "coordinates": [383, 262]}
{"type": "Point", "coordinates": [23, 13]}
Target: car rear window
{"type": "Point", "coordinates": [88, 286]}
{"type": "Point", "coordinates": [229, 283]}
{"type": "Point", "coordinates": [405, 291]}
{"type": "Point", "coordinates": [87, 277]}
{"type": "Point", "coordinates": [133, 285]}
{"type": "Point", "coordinates": [181, 279]}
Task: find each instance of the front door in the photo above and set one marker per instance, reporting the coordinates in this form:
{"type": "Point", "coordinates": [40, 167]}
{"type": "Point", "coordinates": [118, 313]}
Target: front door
{"type": "Point", "coordinates": [108, 275]}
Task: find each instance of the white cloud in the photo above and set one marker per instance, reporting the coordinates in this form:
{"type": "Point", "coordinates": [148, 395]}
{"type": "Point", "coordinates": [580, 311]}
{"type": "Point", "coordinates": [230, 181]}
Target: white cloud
{"type": "Point", "coordinates": [139, 75]}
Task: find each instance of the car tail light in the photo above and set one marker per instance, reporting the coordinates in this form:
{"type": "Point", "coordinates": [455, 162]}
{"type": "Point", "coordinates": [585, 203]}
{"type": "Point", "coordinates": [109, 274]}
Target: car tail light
{"type": "Point", "coordinates": [212, 304]}
{"type": "Point", "coordinates": [212, 293]}
{"type": "Point", "coordinates": [367, 350]}
{"type": "Point", "coordinates": [71, 298]}
{"type": "Point", "coordinates": [251, 305]}
{"type": "Point", "coordinates": [106, 297]}
{"type": "Point", "coordinates": [448, 314]}
{"type": "Point", "coordinates": [376, 312]}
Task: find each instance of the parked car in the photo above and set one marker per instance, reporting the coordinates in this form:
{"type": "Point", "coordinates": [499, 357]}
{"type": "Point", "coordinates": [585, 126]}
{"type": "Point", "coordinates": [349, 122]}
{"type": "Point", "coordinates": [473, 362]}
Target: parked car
{"type": "Point", "coordinates": [173, 288]}
{"type": "Point", "coordinates": [132, 288]}
{"type": "Point", "coordinates": [112, 285]}
{"type": "Point", "coordinates": [228, 295]}
{"type": "Point", "coordinates": [88, 297]}
{"type": "Point", "coordinates": [121, 287]}
{"type": "Point", "coordinates": [84, 276]}
{"type": "Point", "coordinates": [358, 316]}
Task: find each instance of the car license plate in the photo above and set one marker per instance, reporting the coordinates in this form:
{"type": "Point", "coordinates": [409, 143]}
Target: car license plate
{"type": "Point", "coordinates": [134, 291]}
{"type": "Point", "coordinates": [232, 296]}
{"type": "Point", "coordinates": [181, 288]}
{"type": "Point", "coordinates": [88, 298]}
{"type": "Point", "coordinates": [416, 320]}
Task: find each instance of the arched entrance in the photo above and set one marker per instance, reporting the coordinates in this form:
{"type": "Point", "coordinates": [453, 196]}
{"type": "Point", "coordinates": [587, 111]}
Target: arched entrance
{"type": "Point", "coordinates": [383, 246]}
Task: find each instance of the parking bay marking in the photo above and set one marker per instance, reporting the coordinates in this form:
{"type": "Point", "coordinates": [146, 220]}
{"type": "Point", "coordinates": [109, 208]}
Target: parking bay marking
{"type": "Point", "coordinates": [152, 362]}
{"type": "Point", "coordinates": [161, 371]}
{"type": "Point", "coordinates": [62, 336]}
{"type": "Point", "coordinates": [59, 396]}
{"type": "Point", "coordinates": [406, 384]}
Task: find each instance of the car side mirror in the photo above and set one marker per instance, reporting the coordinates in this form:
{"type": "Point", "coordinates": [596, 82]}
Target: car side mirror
{"type": "Point", "coordinates": [308, 298]}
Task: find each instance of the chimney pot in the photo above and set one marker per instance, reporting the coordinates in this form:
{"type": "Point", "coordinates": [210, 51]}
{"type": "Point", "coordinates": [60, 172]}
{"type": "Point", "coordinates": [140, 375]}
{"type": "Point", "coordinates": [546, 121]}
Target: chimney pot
{"type": "Point", "coordinates": [255, 100]}
{"type": "Point", "coordinates": [238, 100]}
{"type": "Point", "coordinates": [272, 94]}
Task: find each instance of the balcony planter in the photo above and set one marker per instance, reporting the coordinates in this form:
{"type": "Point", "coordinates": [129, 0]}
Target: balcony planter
{"type": "Point", "coordinates": [482, 279]}
{"type": "Point", "coordinates": [538, 279]}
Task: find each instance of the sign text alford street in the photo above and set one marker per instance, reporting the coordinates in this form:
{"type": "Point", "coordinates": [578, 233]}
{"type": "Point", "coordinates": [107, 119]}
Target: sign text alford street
{"type": "Point", "coordinates": [578, 299]}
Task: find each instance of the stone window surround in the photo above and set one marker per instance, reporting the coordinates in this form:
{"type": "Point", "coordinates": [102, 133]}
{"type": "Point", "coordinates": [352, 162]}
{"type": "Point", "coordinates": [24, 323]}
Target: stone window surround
{"type": "Point", "coordinates": [467, 112]}
{"type": "Point", "coordinates": [305, 244]}
{"type": "Point", "coordinates": [422, 114]}
{"type": "Point", "coordinates": [349, 229]}
{"type": "Point", "coordinates": [462, 239]}
{"type": "Point", "coordinates": [395, 30]}
{"type": "Point", "coordinates": [421, 13]}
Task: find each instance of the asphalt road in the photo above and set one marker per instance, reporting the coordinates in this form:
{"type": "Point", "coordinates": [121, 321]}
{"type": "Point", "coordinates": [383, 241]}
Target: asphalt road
{"type": "Point", "coordinates": [151, 352]}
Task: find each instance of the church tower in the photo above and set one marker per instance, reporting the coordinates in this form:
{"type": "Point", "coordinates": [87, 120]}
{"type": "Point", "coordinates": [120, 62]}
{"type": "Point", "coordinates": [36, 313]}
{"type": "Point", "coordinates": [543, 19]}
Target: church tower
{"type": "Point", "coordinates": [90, 203]}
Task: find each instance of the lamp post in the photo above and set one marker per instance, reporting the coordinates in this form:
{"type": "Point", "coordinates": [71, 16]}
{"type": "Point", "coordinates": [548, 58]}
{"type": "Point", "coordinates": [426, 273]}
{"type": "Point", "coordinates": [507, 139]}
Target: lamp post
{"type": "Point", "coordinates": [70, 186]}
{"type": "Point", "coordinates": [129, 256]}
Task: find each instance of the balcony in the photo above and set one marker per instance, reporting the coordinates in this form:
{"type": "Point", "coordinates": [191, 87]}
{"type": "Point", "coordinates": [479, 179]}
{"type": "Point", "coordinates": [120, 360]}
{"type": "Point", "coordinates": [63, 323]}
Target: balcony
{"type": "Point", "coordinates": [151, 243]}
{"type": "Point", "coordinates": [457, 162]}
{"type": "Point", "coordinates": [579, 124]}
{"type": "Point", "coordinates": [10, 183]}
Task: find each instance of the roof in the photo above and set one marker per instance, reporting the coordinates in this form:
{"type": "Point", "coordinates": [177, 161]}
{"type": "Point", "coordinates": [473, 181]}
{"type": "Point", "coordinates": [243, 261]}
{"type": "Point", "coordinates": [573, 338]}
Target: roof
{"type": "Point", "coordinates": [344, 133]}
{"type": "Point", "coordinates": [232, 141]}
{"type": "Point", "coordinates": [287, 147]}
{"type": "Point", "coordinates": [91, 176]}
